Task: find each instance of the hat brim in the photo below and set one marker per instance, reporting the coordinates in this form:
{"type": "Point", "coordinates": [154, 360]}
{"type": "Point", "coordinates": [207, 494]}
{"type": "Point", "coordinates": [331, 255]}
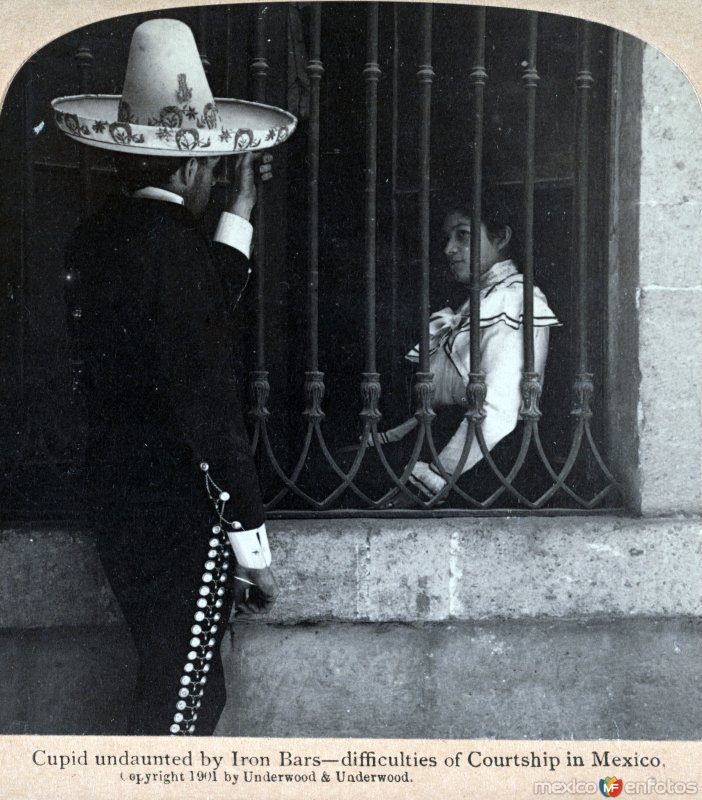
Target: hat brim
{"type": "Point", "coordinates": [92, 119]}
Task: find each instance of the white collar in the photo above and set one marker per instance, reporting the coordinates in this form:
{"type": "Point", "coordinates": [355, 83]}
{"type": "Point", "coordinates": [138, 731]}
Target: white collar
{"type": "Point", "coordinates": [498, 272]}
{"type": "Point", "coordinates": [154, 193]}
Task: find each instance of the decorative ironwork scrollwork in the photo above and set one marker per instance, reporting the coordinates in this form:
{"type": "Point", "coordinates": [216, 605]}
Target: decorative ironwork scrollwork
{"type": "Point", "coordinates": [531, 393]}
{"type": "Point", "coordinates": [476, 392]}
{"type": "Point", "coordinates": [260, 390]}
{"type": "Point", "coordinates": [314, 393]}
{"type": "Point", "coordinates": [370, 392]}
{"type": "Point", "coordinates": [584, 388]}
{"type": "Point", "coordinates": [424, 392]}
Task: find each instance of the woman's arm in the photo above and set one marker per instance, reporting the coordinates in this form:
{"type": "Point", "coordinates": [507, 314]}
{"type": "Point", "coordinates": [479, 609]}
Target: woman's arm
{"type": "Point", "coordinates": [502, 356]}
{"type": "Point", "coordinates": [394, 434]}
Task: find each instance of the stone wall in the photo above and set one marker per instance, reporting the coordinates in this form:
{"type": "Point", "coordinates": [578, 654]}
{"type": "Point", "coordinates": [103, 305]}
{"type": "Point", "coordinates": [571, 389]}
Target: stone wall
{"type": "Point", "coordinates": [670, 291]}
{"type": "Point", "coordinates": [539, 628]}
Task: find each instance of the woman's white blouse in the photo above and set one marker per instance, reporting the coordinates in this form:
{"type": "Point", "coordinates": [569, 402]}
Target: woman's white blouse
{"type": "Point", "coordinates": [502, 361]}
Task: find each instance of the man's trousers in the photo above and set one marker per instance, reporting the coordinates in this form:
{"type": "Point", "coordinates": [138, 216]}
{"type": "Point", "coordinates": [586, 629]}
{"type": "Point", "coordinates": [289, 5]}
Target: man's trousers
{"type": "Point", "coordinates": [168, 571]}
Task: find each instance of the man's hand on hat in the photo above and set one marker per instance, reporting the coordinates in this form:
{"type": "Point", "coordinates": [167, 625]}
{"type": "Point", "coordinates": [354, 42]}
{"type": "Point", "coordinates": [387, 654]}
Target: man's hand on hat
{"type": "Point", "coordinates": [265, 165]}
{"type": "Point", "coordinates": [244, 187]}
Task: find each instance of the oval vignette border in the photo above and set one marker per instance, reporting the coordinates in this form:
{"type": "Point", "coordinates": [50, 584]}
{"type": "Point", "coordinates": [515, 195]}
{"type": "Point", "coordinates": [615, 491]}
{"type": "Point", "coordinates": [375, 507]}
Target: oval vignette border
{"type": "Point", "coordinates": [673, 26]}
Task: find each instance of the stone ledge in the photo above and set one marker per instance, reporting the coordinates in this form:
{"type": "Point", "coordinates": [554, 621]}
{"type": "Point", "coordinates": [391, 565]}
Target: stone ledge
{"type": "Point", "coordinates": [411, 570]}
{"type": "Point", "coordinates": [616, 679]}
{"type": "Point", "coordinates": [553, 679]}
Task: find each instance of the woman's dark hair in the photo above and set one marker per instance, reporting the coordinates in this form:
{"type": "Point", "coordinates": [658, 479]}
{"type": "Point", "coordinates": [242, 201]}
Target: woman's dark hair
{"type": "Point", "coordinates": [497, 211]}
{"type": "Point", "coordinates": [136, 171]}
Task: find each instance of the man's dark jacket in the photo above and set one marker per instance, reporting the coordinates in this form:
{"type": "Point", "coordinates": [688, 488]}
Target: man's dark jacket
{"type": "Point", "coordinates": [155, 335]}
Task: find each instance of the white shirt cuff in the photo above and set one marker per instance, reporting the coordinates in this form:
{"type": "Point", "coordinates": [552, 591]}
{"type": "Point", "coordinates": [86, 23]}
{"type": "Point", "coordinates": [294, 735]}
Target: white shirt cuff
{"type": "Point", "coordinates": [251, 547]}
{"type": "Point", "coordinates": [235, 232]}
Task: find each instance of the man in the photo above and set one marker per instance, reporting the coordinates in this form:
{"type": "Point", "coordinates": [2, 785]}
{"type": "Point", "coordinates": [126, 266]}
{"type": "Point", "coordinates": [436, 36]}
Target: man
{"type": "Point", "coordinates": [170, 477]}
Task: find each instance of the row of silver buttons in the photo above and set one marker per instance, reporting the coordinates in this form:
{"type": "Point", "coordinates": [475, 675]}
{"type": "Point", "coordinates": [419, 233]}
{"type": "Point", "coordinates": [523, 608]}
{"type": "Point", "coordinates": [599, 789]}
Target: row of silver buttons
{"type": "Point", "coordinates": [206, 622]}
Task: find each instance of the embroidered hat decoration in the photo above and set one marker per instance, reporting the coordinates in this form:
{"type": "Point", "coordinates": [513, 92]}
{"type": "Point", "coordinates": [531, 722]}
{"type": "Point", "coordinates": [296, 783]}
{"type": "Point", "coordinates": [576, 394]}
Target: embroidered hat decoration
{"type": "Point", "coordinates": [166, 106]}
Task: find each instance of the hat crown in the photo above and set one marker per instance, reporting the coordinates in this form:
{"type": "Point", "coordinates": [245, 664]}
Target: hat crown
{"type": "Point", "coordinates": [165, 83]}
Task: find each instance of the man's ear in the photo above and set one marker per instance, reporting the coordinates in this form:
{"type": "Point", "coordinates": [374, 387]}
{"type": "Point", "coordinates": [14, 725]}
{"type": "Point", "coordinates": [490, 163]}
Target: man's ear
{"type": "Point", "coordinates": [182, 179]}
{"type": "Point", "coordinates": [188, 171]}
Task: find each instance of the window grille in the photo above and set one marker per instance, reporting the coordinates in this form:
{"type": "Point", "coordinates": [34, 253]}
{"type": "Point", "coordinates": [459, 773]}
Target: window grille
{"type": "Point", "coordinates": [453, 499]}
{"type": "Point", "coordinates": [307, 466]}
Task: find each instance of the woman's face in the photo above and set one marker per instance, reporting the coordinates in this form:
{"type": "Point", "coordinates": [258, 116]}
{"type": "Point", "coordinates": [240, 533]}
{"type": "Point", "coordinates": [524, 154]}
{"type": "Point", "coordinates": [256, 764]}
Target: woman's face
{"type": "Point", "coordinates": [457, 249]}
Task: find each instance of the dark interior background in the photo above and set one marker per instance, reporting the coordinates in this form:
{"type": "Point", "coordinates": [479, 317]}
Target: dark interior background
{"type": "Point", "coordinates": [44, 195]}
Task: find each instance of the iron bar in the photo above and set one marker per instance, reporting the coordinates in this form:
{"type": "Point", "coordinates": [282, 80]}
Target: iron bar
{"type": "Point", "coordinates": [228, 64]}
{"type": "Point", "coordinates": [371, 74]}
{"type": "Point", "coordinates": [28, 221]}
{"type": "Point", "coordinates": [584, 380]}
{"type": "Point", "coordinates": [370, 382]}
{"type": "Point", "coordinates": [530, 80]}
{"type": "Point", "coordinates": [425, 76]}
{"type": "Point", "coordinates": [424, 383]}
{"type": "Point", "coordinates": [259, 387]}
{"type": "Point", "coordinates": [314, 379]}
{"type": "Point", "coordinates": [476, 389]}
{"type": "Point", "coordinates": [315, 70]}
{"type": "Point", "coordinates": [228, 54]}
{"type": "Point", "coordinates": [394, 210]}
{"type": "Point", "coordinates": [584, 83]}
{"type": "Point", "coordinates": [202, 39]}
{"type": "Point", "coordinates": [84, 60]}
{"type": "Point", "coordinates": [424, 379]}
{"type": "Point", "coordinates": [531, 380]}
{"type": "Point", "coordinates": [259, 70]}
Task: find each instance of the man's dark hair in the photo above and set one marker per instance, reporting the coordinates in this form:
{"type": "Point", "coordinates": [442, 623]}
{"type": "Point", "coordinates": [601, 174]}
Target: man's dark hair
{"type": "Point", "coordinates": [136, 171]}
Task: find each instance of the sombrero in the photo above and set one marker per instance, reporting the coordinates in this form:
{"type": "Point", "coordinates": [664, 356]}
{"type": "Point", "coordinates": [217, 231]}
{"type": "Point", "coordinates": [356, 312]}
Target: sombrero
{"type": "Point", "coordinates": [166, 107]}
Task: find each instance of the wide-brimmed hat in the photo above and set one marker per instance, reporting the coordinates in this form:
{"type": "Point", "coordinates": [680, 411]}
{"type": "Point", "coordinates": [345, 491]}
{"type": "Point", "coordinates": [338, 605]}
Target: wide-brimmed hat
{"type": "Point", "coordinates": [166, 107]}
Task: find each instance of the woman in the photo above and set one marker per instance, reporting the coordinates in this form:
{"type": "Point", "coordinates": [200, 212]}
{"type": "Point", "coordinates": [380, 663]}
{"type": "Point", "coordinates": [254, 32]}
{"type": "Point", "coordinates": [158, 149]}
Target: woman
{"type": "Point", "coordinates": [501, 348]}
